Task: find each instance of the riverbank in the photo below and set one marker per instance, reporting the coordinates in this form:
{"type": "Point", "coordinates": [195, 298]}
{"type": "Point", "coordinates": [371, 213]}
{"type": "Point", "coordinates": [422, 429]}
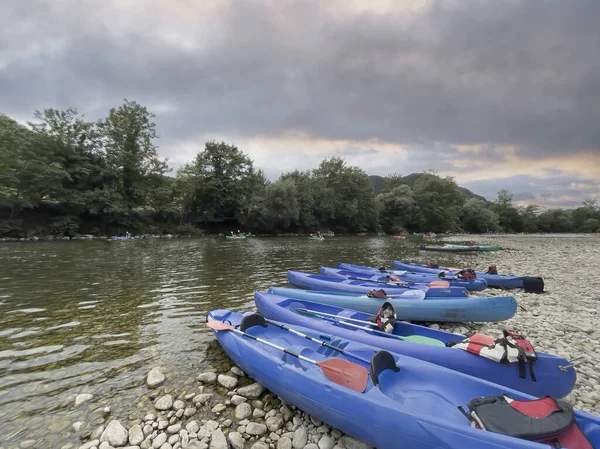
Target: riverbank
{"type": "Point", "coordinates": [95, 319]}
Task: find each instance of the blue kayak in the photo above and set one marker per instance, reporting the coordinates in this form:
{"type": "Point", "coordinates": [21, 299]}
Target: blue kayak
{"type": "Point", "coordinates": [463, 309]}
{"type": "Point", "coordinates": [532, 284]}
{"type": "Point", "coordinates": [400, 401]}
{"type": "Point", "coordinates": [549, 378]}
{"type": "Point", "coordinates": [339, 284]}
{"type": "Point", "coordinates": [469, 284]}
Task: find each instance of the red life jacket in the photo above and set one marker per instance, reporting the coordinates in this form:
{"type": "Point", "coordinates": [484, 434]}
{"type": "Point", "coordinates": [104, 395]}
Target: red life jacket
{"type": "Point", "coordinates": [544, 420]}
{"type": "Point", "coordinates": [386, 318]}
{"type": "Point", "coordinates": [509, 348]}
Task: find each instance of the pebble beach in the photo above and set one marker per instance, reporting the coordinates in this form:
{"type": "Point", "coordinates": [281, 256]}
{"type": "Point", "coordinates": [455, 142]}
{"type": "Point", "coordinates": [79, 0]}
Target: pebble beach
{"type": "Point", "coordinates": [221, 407]}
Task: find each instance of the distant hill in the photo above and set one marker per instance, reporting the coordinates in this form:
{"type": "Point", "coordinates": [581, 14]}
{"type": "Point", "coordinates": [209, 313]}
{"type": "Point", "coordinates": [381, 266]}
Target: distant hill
{"type": "Point", "coordinates": [377, 183]}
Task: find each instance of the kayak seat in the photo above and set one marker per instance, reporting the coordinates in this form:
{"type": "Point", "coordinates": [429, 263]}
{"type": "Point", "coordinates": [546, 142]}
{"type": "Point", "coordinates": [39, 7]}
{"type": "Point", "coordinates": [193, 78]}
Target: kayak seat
{"type": "Point", "coordinates": [380, 361]}
{"type": "Point", "coordinates": [254, 319]}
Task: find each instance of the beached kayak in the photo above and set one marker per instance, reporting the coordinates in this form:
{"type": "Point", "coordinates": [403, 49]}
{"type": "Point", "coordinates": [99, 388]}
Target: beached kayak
{"type": "Point", "coordinates": [531, 284]}
{"type": "Point", "coordinates": [464, 309]}
{"type": "Point", "coordinates": [338, 284]}
{"type": "Point", "coordinates": [358, 271]}
{"type": "Point", "coordinates": [385, 399]}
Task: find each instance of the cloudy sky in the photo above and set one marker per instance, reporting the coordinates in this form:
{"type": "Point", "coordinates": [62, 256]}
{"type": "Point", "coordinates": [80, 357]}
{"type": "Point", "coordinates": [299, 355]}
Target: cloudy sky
{"type": "Point", "coordinates": [499, 94]}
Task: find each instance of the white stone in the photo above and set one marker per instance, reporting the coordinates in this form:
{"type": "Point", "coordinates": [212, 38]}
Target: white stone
{"type": "Point", "coordinates": [237, 371]}
{"type": "Point", "coordinates": [274, 423]}
{"type": "Point", "coordinates": [284, 443]}
{"type": "Point", "coordinates": [207, 378]}
{"type": "Point", "coordinates": [160, 439]}
{"type": "Point", "coordinates": [242, 411]}
{"type": "Point", "coordinates": [352, 443]}
{"type": "Point", "coordinates": [218, 440]}
{"type": "Point", "coordinates": [82, 398]}
{"type": "Point", "coordinates": [300, 438]}
{"type": "Point", "coordinates": [256, 429]}
{"type": "Point", "coordinates": [236, 440]}
{"type": "Point", "coordinates": [164, 402]}
{"type": "Point", "coordinates": [202, 398]}
{"type": "Point", "coordinates": [226, 381]}
{"type": "Point", "coordinates": [136, 435]}
{"type": "Point", "coordinates": [326, 442]}
{"type": "Point", "coordinates": [192, 427]}
{"type": "Point", "coordinates": [115, 434]}
{"type": "Point", "coordinates": [236, 399]}
{"type": "Point", "coordinates": [155, 377]}
{"type": "Point", "coordinates": [251, 391]}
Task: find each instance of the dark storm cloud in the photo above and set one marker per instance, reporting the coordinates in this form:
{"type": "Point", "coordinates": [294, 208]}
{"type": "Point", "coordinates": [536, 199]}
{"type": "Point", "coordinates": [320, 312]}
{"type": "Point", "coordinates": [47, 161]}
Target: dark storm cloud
{"type": "Point", "coordinates": [518, 73]}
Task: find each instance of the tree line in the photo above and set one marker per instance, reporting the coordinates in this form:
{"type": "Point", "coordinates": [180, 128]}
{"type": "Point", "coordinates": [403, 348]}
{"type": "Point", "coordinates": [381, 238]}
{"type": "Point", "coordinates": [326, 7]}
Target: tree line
{"type": "Point", "coordinates": [63, 175]}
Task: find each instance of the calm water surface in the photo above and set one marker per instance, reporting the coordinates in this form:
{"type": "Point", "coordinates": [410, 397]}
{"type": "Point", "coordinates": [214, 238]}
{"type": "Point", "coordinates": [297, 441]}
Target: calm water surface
{"type": "Point", "coordinates": [95, 316]}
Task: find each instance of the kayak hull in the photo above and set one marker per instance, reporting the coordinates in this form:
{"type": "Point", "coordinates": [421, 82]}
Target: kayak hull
{"type": "Point", "coordinates": [550, 379]}
{"type": "Point", "coordinates": [319, 282]}
{"type": "Point", "coordinates": [493, 280]}
{"type": "Point", "coordinates": [411, 408]}
{"type": "Point", "coordinates": [493, 308]}
{"type": "Point", "coordinates": [344, 269]}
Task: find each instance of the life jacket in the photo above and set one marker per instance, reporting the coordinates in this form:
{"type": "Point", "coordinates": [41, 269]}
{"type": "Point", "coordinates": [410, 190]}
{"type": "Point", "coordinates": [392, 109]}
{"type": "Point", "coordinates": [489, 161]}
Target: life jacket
{"type": "Point", "coordinates": [509, 348]}
{"type": "Point", "coordinates": [492, 270]}
{"type": "Point", "coordinates": [468, 274]}
{"type": "Point", "coordinates": [386, 318]}
{"type": "Point", "coordinates": [381, 294]}
{"type": "Point", "coordinates": [545, 420]}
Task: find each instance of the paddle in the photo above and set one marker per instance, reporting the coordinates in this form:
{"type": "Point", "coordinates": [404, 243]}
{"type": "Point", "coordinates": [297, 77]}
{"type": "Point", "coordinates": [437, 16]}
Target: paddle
{"type": "Point", "coordinates": [308, 337]}
{"type": "Point", "coordinates": [344, 320]}
{"type": "Point", "coordinates": [339, 371]}
{"type": "Point", "coordinates": [437, 284]}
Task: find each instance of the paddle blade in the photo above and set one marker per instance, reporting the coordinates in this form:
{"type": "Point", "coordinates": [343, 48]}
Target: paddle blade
{"type": "Point", "coordinates": [219, 325]}
{"type": "Point", "coordinates": [439, 284]}
{"type": "Point", "coordinates": [345, 373]}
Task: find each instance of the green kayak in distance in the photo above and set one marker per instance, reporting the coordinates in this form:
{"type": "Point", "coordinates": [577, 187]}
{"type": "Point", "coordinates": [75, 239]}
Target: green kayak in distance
{"type": "Point", "coordinates": [451, 248]}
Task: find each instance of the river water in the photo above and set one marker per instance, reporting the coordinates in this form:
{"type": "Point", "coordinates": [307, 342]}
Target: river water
{"type": "Point", "coordinates": [95, 316]}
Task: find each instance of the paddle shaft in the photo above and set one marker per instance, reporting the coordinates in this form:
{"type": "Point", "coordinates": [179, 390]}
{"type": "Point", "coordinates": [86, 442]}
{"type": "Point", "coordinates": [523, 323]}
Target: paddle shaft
{"type": "Point", "coordinates": [293, 331]}
{"type": "Point", "coordinates": [338, 317]}
{"type": "Point", "coordinates": [273, 345]}
{"type": "Point", "coordinates": [395, 284]}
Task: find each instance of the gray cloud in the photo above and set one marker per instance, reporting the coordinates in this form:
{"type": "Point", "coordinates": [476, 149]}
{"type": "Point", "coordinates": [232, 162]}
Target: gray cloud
{"type": "Point", "coordinates": [480, 72]}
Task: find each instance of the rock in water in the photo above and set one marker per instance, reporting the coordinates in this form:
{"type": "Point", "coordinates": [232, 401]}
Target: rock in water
{"type": "Point", "coordinates": [164, 402]}
{"type": "Point", "coordinates": [136, 436]}
{"type": "Point", "coordinates": [82, 398]}
{"type": "Point", "coordinates": [242, 411]}
{"type": "Point", "coordinates": [284, 443]}
{"type": "Point", "coordinates": [207, 378]}
{"type": "Point", "coordinates": [218, 441]}
{"type": "Point", "coordinates": [251, 391]}
{"type": "Point", "coordinates": [260, 445]}
{"type": "Point", "coordinates": [236, 440]}
{"type": "Point", "coordinates": [160, 439]}
{"type": "Point", "coordinates": [115, 434]}
{"type": "Point", "coordinates": [226, 381]}
{"type": "Point", "coordinates": [155, 378]}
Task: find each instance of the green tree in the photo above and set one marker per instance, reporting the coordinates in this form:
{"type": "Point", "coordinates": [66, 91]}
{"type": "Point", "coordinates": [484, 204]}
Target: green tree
{"type": "Point", "coordinates": [529, 218]}
{"type": "Point", "coordinates": [127, 136]}
{"type": "Point", "coordinates": [398, 211]}
{"type": "Point", "coordinates": [281, 204]}
{"type": "Point", "coordinates": [477, 218]}
{"type": "Point", "coordinates": [440, 202]}
{"type": "Point", "coordinates": [508, 215]}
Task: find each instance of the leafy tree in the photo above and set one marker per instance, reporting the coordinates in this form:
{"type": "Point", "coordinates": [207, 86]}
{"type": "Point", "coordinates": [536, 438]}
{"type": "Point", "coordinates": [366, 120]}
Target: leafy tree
{"type": "Point", "coordinates": [440, 202]}
{"type": "Point", "coordinates": [281, 204]}
{"type": "Point", "coordinates": [477, 218]}
{"type": "Point", "coordinates": [529, 218]}
{"type": "Point", "coordinates": [306, 197]}
{"type": "Point", "coordinates": [398, 211]}
{"type": "Point", "coordinates": [508, 215]}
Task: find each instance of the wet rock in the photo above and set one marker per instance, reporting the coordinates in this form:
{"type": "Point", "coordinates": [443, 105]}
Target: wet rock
{"type": "Point", "coordinates": [207, 378]}
{"type": "Point", "coordinates": [97, 432]}
{"type": "Point", "coordinates": [155, 378]}
{"type": "Point", "coordinates": [326, 442]}
{"type": "Point", "coordinates": [77, 426]}
{"type": "Point", "coordinates": [242, 411]}
{"type": "Point", "coordinates": [136, 435]}
{"type": "Point", "coordinates": [26, 444]}
{"type": "Point", "coordinates": [237, 400]}
{"type": "Point", "coordinates": [147, 430]}
{"type": "Point", "coordinates": [284, 443]}
{"type": "Point", "coordinates": [164, 402]}
{"type": "Point", "coordinates": [173, 439]}
{"type": "Point", "coordinates": [162, 424]}
{"type": "Point", "coordinates": [82, 398]}
{"type": "Point", "coordinates": [226, 381]}
{"type": "Point", "coordinates": [256, 429]}
{"type": "Point", "coordinates": [218, 408]}
{"type": "Point", "coordinates": [251, 391]}
{"type": "Point", "coordinates": [258, 413]}
{"type": "Point", "coordinates": [274, 423]}
{"type": "Point", "coordinates": [178, 405]}
{"type": "Point", "coordinates": [105, 445]}
{"type": "Point", "coordinates": [202, 398]}
{"type": "Point", "coordinates": [90, 444]}
{"type": "Point", "coordinates": [115, 434]}
{"type": "Point", "coordinates": [311, 446]}
{"type": "Point", "coordinates": [160, 439]}
{"type": "Point", "coordinates": [286, 412]}
{"type": "Point", "coordinates": [196, 445]}
{"type": "Point", "coordinates": [235, 440]}
{"type": "Point", "coordinates": [218, 440]}
{"type": "Point", "coordinates": [300, 438]}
